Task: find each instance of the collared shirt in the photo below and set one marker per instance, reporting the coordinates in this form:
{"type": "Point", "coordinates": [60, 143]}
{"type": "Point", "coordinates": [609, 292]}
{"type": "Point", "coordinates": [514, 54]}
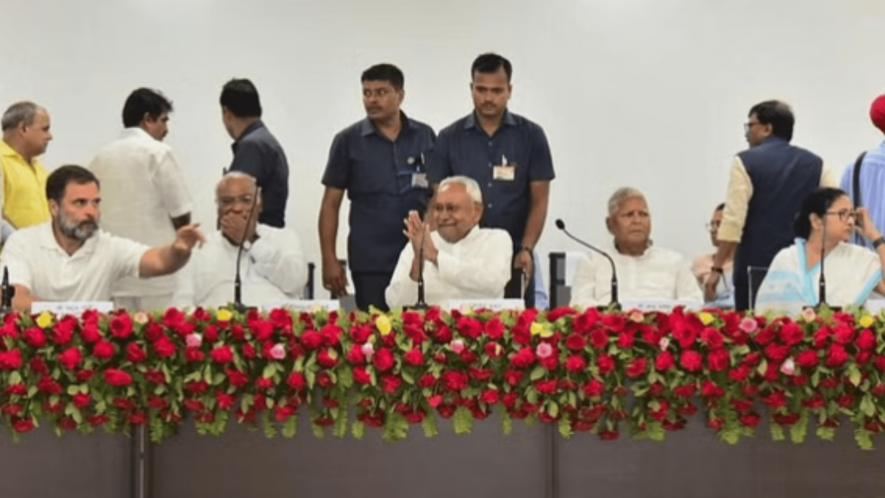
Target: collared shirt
{"type": "Point", "coordinates": [36, 261]}
{"type": "Point", "coordinates": [383, 182]}
{"type": "Point", "coordinates": [142, 188]}
{"type": "Point", "coordinates": [657, 274]}
{"type": "Point", "coordinates": [475, 267]}
{"type": "Point", "coordinates": [257, 153]}
{"type": "Point", "coordinates": [464, 148]}
{"type": "Point", "coordinates": [23, 195]}
{"type": "Point", "coordinates": [872, 188]}
{"type": "Point", "coordinates": [273, 269]}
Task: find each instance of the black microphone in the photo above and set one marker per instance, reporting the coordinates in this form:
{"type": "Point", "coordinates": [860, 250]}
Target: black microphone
{"type": "Point", "coordinates": [822, 284]}
{"type": "Point", "coordinates": [8, 292]}
{"type": "Point", "coordinates": [614, 290]}
{"type": "Point", "coordinates": [238, 283]}
{"type": "Point", "coordinates": [421, 304]}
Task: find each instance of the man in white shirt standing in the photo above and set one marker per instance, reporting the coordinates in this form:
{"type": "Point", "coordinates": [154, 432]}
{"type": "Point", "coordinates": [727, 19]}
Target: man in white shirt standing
{"type": "Point", "coordinates": [146, 197]}
{"type": "Point", "coordinates": [70, 259]}
{"type": "Point", "coordinates": [644, 271]}
{"type": "Point", "coordinates": [272, 267]}
{"type": "Point", "coordinates": [461, 260]}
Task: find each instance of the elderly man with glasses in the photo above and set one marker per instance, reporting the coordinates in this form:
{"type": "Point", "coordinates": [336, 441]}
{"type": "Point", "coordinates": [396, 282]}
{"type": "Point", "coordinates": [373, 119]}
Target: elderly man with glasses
{"type": "Point", "coordinates": [272, 266]}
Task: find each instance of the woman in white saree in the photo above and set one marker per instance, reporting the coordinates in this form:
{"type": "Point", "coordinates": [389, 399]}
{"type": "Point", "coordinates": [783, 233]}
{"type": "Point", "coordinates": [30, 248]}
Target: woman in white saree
{"type": "Point", "coordinates": [852, 272]}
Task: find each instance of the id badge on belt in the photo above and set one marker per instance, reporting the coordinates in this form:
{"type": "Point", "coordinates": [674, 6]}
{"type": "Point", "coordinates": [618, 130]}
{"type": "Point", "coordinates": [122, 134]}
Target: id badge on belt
{"type": "Point", "coordinates": [504, 172]}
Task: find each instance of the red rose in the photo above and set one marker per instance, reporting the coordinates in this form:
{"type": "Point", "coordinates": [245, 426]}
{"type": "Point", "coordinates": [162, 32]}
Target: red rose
{"type": "Point", "coordinates": [193, 354]}
{"type": "Point", "coordinates": [712, 338]}
{"type": "Point", "coordinates": [296, 381]}
{"type": "Point", "coordinates": [836, 356]}
{"type": "Point", "coordinates": [103, 350]}
{"type": "Point", "coordinates": [636, 367]}
{"type": "Point", "coordinates": [593, 388]}
{"type": "Point", "coordinates": [878, 389]}
{"type": "Point", "coordinates": [455, 381]}
{"type": "Point", "coordinates": [70, 358]}
{"type": "Point", "coordinates": [152, 331]}
{"type": "Point", "coordinates": [116, 378]}
{"type": "Point", "coordinates": [513, 377]}
{"type": "Point", "coordinates": [608, 435]}
{"type": "Point", "coordinates": [11, 409]}
{"type": "Point", "coordinates": [575, 342]}
{"type": "Point", "coordinates": [523, 358]}
{"type": "Point", "coordinates": [605, 363]}
{"type": "Point", "coordinates": [791, 334]}
{"type": "Point", "coordinates": [225, 401]}
{"type": "Point", "coordinates": [16, 390]}
{"type": "Point", "coordinates": [469, 327]}
{"type": "Point", "coordinates": [360, 333]}
{"type": "Point", "coordinates": [710, 390]}
{"type": "Point", "coordinates": [34, 337]}
{"type": "Point", "coordinates": [493, 350]}
{"type": "Point", "coordinates": [390, 383]}
{"type": "Point", "coordinates": [427, 380]}
{"type": "Point", "coordinates": [164, 347]}
{"type": "Point", "coordinates": [81, 400]}
{"type": "Point", "coordinates": [716, 423]}
{"type": "Point", "coordinates": [196, 386]}
{"type": "Point", "coordinates": [442, 334]}
{"type": "Point", "coordinates": [311, 339]}
{"type": "Point", "coordinates": [843, 333]}
{"type": "Point", "coordinates": [193, 405]}
{"type": "Point", "coordinates": [739, 374]}
{"type": "Point", "coordinates": [625, 340]}
{"type": "Point", "coordinates": [864, 357]}
{"type": "Point", "coordinates": [599, 338]}
{"type": "Point", "coordinates": [361, 376]}
{"type": "Point", "coordinates": [546, 386]}
{"type": "Point", "coordinates": [121, 326]}
{"type": "Point", "coordinates": [845, 401]}
{"type": "Point", "coordinates": [691, 360]}
{"type": "Point", "coordinates": [575, 363]}
{"type": "Point", "coordinates": [821, 335]}
{"type": "Point", "coordinates": [262, 330]}
{"type": "Point", "coordinates": [356, 356]}
{"type": "Point", "coordinates": [10, 360]}
{"type": "Point", "coordinates": [263, 383]}
{"type": "Point", "coordinates": [718, 360]}
{"type": "Point", "coordinates": [866, 340]}
{"type": "Point", "coordinates": [210, 333]}
{"type": "Point", "coordinates": [90, 333]}
{"type": "Point", "coordinates": [327, 358]}
{"type": "Point", "coordinates": [134, 353]}
{"type": "Point", "coordinates": [414, 357]}
{"type": "Point", "coordinates": [777, 399]}
{"type": "Point", "coordinates": [236, 378]}
{"type": "Point", "coordinates": [38, 366]}
{"type": "Point", "coordinates": [750, 419]}
{"type": "Point", "coordinates": [383, 360]}
{"type": "Point", "coordinates": [490, 396]}
{"type": "Point", "coordinates": [155, 376]}
{"type": "Point", "coordinates": [331, 335]}
{"type": "Point", "coordinates": [684, 334]}
{"type": "Point", "coordinates": [23, 425]}
{"type": "Point", "coordinates": [656, 389]}
{"type": "Point", "coordinates": [249, 351]}
{"type": "Point", "coordinates": [222, 354]}
{"type": "Point", "coordinates": [494, 329]}
{"type": "Point", "coordinates": [816, 402]}
{"type": "Point", "coordinates": [807, 359]}
{"type": "Point", "coordinates": [776, 352]}
{"type": "Point", "coordinates": [480, 374]}
{"type": "Point", "coordinates": [664, 361]}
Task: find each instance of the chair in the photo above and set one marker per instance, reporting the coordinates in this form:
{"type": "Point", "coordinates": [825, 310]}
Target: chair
{"type": "Point", "coordinates": [308, 289]}
{"type": "Point", "coordinates": [755, 276]}
{"type": "Point", "coordinates": [560, 290]}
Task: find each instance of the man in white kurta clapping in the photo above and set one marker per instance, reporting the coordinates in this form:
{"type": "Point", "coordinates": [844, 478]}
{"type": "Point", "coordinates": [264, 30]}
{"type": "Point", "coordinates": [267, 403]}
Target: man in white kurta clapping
{"type": "Point", "coordinates": [461, 260]}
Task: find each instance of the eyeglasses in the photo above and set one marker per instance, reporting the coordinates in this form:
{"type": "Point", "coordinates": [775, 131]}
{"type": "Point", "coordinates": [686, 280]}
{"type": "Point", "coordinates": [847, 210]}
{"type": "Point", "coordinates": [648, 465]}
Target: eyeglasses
{"type": "Point", "coordinates": [751, 124]}
{"type": "Point", "coordinates": [713, 225]}
{"type": "Point", "coordinates": [245, 200]}
{"type": "Point", "coordinates": [844, 214]}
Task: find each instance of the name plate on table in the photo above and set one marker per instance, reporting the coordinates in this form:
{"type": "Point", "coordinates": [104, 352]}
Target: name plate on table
{"type": "Point", "coordinates": [874, 306]}
{"type": "Point", "coordinates": [304, 305]}
{"type": "Point", "coordinates": [664, 305]}
{"type": "Point", "coordinates": [490, 304]}
{"type": "Point", "coordinates": [71, 307]}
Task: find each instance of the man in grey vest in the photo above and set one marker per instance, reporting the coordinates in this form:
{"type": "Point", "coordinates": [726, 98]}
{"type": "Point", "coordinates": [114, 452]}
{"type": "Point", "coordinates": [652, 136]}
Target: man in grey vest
{"type": "Point", "coordinates": [766, 186]}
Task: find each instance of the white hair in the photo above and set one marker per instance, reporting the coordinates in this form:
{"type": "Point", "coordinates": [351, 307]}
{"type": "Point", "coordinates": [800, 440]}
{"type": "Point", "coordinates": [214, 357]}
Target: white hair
{"type": "Point", "coordinates": [20, 112]}
{"type": "Point", "coordinates": [230, 175]}
{"type": "Point", "coordinates": [469, 184]}
{"type": "Point", "coordinates": [621, 195]}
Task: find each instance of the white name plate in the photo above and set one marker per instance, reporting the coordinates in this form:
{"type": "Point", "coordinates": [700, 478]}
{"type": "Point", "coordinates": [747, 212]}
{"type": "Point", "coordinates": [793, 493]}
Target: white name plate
{"type": "Point", "coordinates": [71, 307]}
{"type": "Point", "coordinates": [304, 305]}
{"type": "Point", "coordinates": [875, 306]}
{"type": "Point", "coordinates": [490, 304]}
{"type": "Point", "coordinates": [665, 305]}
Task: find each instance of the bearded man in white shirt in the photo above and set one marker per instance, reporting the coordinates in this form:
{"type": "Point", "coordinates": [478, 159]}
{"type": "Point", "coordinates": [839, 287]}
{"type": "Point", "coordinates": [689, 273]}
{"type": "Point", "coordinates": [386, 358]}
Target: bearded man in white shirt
{"type": "Point", "coordinates": [272, 267]}
{"type": "Point", "coordinates": [644, 271]}
{"type": "Point", "coordinates": [146, 198]}
{"type": "Point", "coordinates": [70, 259]}
{"type": "Point", "coordinates": [461, 260]}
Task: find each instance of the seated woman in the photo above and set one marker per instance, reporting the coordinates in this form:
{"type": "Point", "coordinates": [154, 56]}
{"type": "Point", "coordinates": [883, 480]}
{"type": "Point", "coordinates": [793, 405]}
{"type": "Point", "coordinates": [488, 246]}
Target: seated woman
{"type": "Point", "coordinates": [826, 221]}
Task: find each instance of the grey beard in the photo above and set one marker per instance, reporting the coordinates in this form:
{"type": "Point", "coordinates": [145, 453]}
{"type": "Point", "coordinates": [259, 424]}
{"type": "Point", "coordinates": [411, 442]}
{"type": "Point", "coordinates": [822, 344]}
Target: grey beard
{"type": "Point", "coordinates": [81, 231]}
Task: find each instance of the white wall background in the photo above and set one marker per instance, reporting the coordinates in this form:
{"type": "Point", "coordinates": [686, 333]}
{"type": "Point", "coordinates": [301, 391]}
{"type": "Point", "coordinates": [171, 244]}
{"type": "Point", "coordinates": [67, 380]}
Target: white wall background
{"type": "Point", "coordinates": [646, 93]}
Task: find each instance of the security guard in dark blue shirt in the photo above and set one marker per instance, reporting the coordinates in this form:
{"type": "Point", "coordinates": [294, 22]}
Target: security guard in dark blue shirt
{"type": "Point", "coordinates": [510, 158]}
{"type": "Point", "coordinates": [380, 162]}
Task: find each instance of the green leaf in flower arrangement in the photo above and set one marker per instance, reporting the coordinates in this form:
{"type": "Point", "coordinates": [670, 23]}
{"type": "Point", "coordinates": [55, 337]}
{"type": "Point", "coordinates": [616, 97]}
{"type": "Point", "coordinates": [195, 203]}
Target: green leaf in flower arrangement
{"type": "Point", "coordinates": [32, 391]}
{"type": "Point", "coordinates": [565, 429]}
{"type": "Point", "coordinates": [428, 425]}
{"type": "Point", "coordinates": [799, 430]}
{"type": "Point", "coordinates": [270, 430]}
{"type": "Point", "coordinates": [867, 406]}
{"type": "Point", "coordinates": [408, 377]}
{"type": "Point", "coordinates": [270, 403]}
{"type": "Point", "coordinates": [299, 364]}
{"type": "Point", "coordinates": [358, 430]}
{"type": "Point", "coordinates": [84, 389]}
{"type": "Point", "coordinates": [854, 374]}
{"type": "Point", "coordinates": [463, 420]}
{"type": "Point", "coordinates": [863, 439]}
{"type": "Point", "coordinates": [763, 367]}
{"type": "Point", "coordinates": [290, 427]}
{"type": "Point", "coordinates": [655, 431]}
{"type": "Point", "coordinates": [160, 389]}
{"type": "Point", "coordinates": [531, 395]}
{"type": "Point", "coordinates": [345, 377]}
{"type": "Point", "coordinates": [310, 376]}
{"type": "Point", "coordinates": [207, 374]}
{"type": "Point", "coordinates": [506, 423]}
{"type": "Point", "coordinates": [777, 432]}
{"type": "Point", "coordinates": [269, 370]}
{"type": "Point", "coordinates": [537, 373]}
{"type": "Point", "coordinates": [73, 389]}
{"type": "Point", "coordinates": [730, 436]}
{"type": "Point", "coordinates": [15, 377]}
{"type": "Point", "coordinates": [553, 409]}
{"type": "Point", "coordinates": [815, 378]}
{"type": "Point", "coordinates": [826, 433]}
{"type": "Point", "coordinates": [218, 379]}
{"type": "Point", "coordinates": [246, 402]}
{"type": "Point", "coordinates": [192, 377]}
{"type": "Point", "coordinates": [318, 431]}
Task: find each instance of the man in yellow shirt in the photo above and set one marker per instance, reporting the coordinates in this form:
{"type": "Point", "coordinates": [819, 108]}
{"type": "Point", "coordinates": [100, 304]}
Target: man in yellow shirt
{"type": "Point", "coordinates": [25, 136]}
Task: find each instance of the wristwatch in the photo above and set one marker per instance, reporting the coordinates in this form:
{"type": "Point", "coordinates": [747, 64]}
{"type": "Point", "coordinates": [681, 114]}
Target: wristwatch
{"type": "Point", "coordinates": [527, 248]}
{"type": "Point", "coordinates": [248, 244]}
{"type": "Point", "coordinates": [878, 242]}
{"type": "Point", "coordinates": [717, 269]}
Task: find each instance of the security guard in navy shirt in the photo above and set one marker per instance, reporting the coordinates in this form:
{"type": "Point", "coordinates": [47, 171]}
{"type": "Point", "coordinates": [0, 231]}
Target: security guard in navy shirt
{"type": "Point", "coordinates": [380, 162]}
{"type": "Point", "coordinates": [509, 157]}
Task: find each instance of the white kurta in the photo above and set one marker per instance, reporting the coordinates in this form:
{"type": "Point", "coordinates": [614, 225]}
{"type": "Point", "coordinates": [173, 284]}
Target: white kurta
{"type": "Point", "coordinates": [142, 188]}
{"type": "Point", "coordinates": [476, 267]}
{"type": "Point", "coordinates": [657, 274]}
{"type": "Point", "coordinates": [272, 270]}
{"type": "Point", "coordinates": [36, 261]}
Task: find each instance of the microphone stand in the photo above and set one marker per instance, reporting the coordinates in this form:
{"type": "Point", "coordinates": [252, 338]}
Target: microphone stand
{"type": "Point", "coordinates": [238, 283]}
{"type": "Point", "coordinates": [421, 304]}
{"type": "Point", "coordinates": [614, 304]}
{"type": "Point", "coordinates": [8, 293]}
{"type": "Point", "coordinates": [822, 284]}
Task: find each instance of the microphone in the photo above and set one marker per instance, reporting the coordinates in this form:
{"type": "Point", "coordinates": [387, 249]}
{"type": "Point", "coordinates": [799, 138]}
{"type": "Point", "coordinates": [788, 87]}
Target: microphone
{"type": "Point", "coordinates": [614, 285]}
{"type": "Point", "coordinates": [822, 284]}
{"type": "Point", "coordinates": [8, 293]}
{"type": "Point", "coordinates": [238, 283]}
{"type": "Point", "coordinates": [421, 304]}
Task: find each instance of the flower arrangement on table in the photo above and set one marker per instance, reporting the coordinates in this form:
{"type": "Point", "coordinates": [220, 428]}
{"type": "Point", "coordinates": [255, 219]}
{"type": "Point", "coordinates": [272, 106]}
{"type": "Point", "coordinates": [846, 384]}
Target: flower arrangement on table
{"type": "Point", "coordinates": [607, 374]}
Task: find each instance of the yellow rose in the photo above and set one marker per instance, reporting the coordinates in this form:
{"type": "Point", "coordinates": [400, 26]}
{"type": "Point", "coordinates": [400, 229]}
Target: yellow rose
{"type": "Point", "coordinates": [867, 321]}
{"type": "Point", "coordinates": [44, 320]}
{"type": "Point", "coordinates": [382, 323]}
{"type": "Point", "coordinates": [224, 315]}
{"type": "Point", "coordinates": [706, 317]}
{"type": "Point", "coordinates": [541, 329]}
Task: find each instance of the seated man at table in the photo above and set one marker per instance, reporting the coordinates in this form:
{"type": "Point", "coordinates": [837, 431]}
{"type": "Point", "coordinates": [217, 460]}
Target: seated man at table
{"type": "Point", "coordinates": [70, 259]}
{"type": "Point", "coordinates": [461, 260]}
{"type": "Point", "coordinates": [272, 266]}
{"type": "Point", "coordinates": [644, 271]}
{"type": "Point", "coordinates": [703, 265]}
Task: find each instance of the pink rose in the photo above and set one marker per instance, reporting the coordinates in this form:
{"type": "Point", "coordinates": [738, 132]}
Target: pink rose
{"type": "Point", "coordinates": [544, 350]}
{"type": "Point", "coordinates": [194, 340]}
{"type": "Point", "coordinates": [748, 325]}
{"type": "Point", "coordinates": [788, 367]}
{"type": "Point", "coordinates": [278, 352]}
{"type": "Point", "coordinates": [457, 346]}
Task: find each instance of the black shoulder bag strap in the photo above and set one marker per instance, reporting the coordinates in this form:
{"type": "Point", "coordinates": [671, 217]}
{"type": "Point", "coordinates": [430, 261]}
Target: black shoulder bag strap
{"type": "Point", "coordinates": [855, 190]}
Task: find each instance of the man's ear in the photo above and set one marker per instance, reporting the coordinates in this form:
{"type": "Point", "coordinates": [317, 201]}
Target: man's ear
{"type": "Point", "coordinates": [609, 225]}
{"type": "Point", "coordinates": [53, 207]}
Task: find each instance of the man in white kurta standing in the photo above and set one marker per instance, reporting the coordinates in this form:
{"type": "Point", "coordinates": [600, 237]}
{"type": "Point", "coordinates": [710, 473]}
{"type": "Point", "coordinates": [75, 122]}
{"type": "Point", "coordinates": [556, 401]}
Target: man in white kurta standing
{"type": "Point", "coordinates": [644, 271]}
{"type": "Point", "coordinates": [272, 267]}
{"type": "Point", "coordinates": [145, 197]}
{"type": "Point", "coordinates": [461, 260]}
